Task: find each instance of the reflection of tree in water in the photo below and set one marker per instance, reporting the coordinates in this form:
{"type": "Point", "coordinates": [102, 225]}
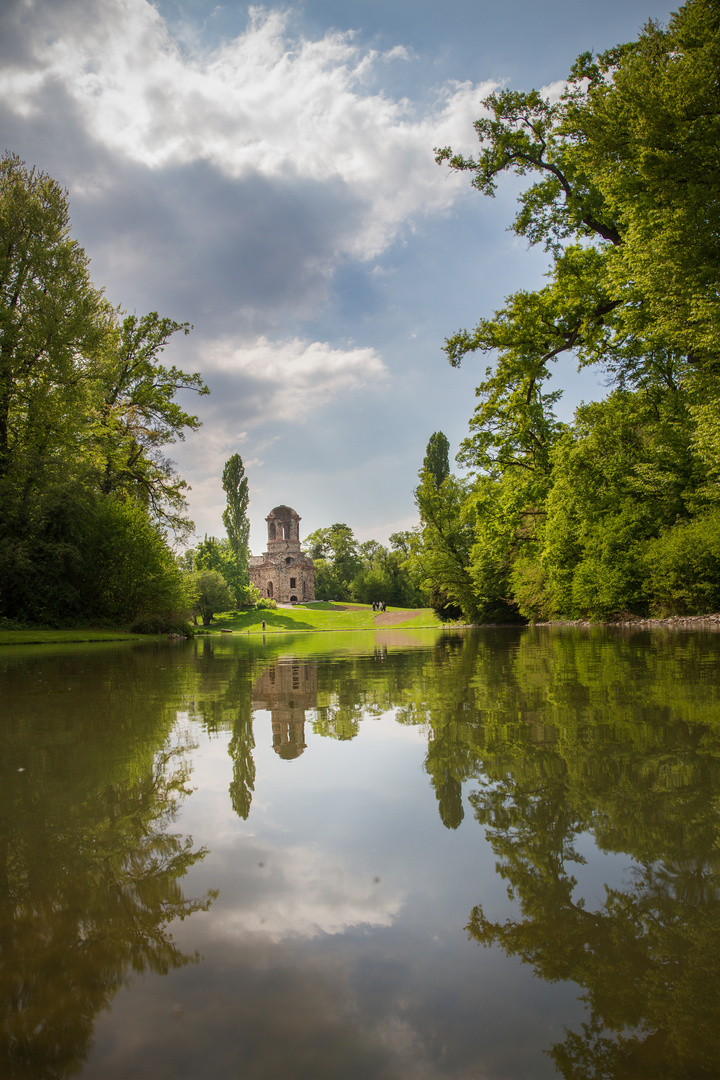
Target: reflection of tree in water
{"type": "Point", "coordinates": [564, 735]}
{"type": "Point", "coordinates": [335, 697]}
{"type": "Point", "coordinates": [240, 749]}
{"type": "Point", "coordinates": [567, 735]}
{"type": "Point", "coordinates": [442, 703]}
{"type": "Point", "coordinates": [449, 796]}
{"type": "Point", "coordinates": [617, 737]}
{"type": "Point", "coordinates": [89, 871]}
{"type": "Point", "coordinates": [648, 958]}
{"type": "Point", "coordinates": [605, 753]}
{"type": "Point", "coordinates": [221, 698]}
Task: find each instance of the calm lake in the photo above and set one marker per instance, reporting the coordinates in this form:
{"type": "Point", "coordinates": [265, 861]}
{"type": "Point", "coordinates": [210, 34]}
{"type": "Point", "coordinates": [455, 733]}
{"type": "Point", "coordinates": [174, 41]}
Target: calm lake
{"type": "Point", "coordinates": [394, 856]}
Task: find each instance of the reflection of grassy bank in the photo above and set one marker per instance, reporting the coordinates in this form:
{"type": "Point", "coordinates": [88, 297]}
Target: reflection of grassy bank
{"type": "Point", "coordinates": [323, 616]}
{"type": "Point", "coordinates": [316, 645]}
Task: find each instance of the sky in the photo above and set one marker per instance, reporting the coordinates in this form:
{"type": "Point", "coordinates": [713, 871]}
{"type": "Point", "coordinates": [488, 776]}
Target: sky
{"type": "Point", "coordinates": [266, 173]}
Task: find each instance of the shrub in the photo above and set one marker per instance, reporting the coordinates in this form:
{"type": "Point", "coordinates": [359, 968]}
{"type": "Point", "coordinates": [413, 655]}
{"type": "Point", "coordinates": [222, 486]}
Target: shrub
{"type": "Point", "coordinates": [210, 594]}
{"type": "Point", "coordinates": [134, 573]}
{"type": "Point", "coordinates": [266, 603]}
{"type": "Point", "coordinates": [683, 567]}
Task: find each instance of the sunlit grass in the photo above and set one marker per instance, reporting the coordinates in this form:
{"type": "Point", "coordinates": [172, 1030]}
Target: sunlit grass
{"type": "Point", "coordinates": [319, 615]}
{"type": "Point", "coordinates": [45, 637]}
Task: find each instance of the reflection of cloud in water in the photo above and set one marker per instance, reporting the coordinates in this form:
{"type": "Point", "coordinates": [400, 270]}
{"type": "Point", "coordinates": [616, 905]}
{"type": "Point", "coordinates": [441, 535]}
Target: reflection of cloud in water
{"type": "Point", "coordinates": [301, 892]}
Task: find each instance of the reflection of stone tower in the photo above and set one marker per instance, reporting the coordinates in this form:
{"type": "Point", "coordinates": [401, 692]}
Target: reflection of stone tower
{"type": "Point", "coordinates": [283, 572]}
{"type": "Point", "coordinates": [287, 689]}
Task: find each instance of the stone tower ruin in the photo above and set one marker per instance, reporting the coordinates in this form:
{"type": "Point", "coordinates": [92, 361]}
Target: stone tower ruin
{"type": "Point", "coordinates": [283, 572]}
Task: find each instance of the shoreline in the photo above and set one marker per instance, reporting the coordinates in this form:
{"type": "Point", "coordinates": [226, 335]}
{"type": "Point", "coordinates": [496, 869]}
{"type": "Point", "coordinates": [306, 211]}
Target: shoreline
{"type": "Point", "coordinates": [78, 637]}
{"type": "Point", "coordinates": [637, 622]}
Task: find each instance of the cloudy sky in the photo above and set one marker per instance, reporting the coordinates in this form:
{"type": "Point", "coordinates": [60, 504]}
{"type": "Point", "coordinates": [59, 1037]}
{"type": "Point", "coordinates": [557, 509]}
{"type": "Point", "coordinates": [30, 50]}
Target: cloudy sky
{"type": "Point", "coordinates": [266, 173]}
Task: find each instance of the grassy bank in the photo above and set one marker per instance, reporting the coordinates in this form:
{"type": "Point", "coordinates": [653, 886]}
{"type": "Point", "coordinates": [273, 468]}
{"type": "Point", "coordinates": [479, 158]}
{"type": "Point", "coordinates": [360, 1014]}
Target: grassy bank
{"type": "Point", "coordinates": [51, 637]}
{"type": "Point", "coordinates": [323, 616]}
{"type": "Point", "coordinates": [320, 616]}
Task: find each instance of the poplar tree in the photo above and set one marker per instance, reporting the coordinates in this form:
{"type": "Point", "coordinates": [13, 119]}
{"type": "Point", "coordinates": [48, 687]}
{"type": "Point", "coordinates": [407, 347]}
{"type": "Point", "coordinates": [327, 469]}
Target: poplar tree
{"type": "Point", "coordinates": [437, 458]}
{"type": "Point", "coordinates": [447, 533]}
{"type": "Point", "coordinates": [237, 524]}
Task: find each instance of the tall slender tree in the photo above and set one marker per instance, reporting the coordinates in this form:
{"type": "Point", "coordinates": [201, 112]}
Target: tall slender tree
{"type": "Point", "coordinates": [447, 533]}
{"type": "Point", "coordinates": [437, 458]}
{"type": "Point", "coordinates": [236, 522]}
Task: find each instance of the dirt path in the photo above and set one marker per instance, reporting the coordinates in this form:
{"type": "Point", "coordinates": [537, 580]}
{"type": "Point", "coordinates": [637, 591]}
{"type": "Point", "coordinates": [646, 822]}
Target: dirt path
{"type": "Point", "coordinates": [382, 618]}
{"type": "Point", "coordinates": [389, 618]}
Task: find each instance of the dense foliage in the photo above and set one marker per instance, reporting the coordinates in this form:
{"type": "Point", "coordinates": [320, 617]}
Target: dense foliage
{"type": "Point", "coordinates": [226, 557]}
{"type": "Point", "coordinates": [618, 511]}
{"type": "Point", "coordinates": [87, 496]}
{"type": "Point", "coordinates": [364, 572]}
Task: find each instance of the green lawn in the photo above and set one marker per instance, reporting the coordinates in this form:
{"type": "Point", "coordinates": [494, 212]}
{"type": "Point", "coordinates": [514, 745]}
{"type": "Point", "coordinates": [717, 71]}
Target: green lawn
{"type": "Point", "coordinates": [47, 637]}
{"type": "Point", "coordinates": [320, 615]}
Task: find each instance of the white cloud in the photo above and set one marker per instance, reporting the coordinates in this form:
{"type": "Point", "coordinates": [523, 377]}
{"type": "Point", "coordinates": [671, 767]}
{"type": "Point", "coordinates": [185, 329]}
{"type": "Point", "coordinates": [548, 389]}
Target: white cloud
{"type": "Point", "coordinates": [289, 378]}
{"type": "Point", "coordinates": [398, 52]}
{"type": "Point", "coordinates": [215, 445]}
{"type": "Point", "coordinates": [256, 383]}
{"type": "Point", "coordinates": [302, 892]}
{"type": "Point", "coordinates": [553, 91]}
{"type": "Point", "coordinates": [261, 104]}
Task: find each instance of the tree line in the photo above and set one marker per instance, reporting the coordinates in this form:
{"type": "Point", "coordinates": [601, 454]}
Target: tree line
{"type": "Point", "coordinates": [89, 500]}
{"type": "Point", "coordinates": [346, 569]}
{"type": "Point", "coordinates": [90, 505]}
{"type": "Point", "coordinates": [617, 511]}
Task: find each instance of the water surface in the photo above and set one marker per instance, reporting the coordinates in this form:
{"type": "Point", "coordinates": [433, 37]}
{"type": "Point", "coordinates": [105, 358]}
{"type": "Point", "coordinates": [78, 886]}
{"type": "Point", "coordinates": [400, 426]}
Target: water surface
{"type": "Point", "coordinates": [470, 854]}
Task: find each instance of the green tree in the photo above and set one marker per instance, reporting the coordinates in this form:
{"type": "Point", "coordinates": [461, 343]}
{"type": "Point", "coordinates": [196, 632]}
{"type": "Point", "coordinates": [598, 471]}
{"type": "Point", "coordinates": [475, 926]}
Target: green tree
{"type": "Point", "coordinates": [53, 322]}
{"type": "Point", "coordinates": [337, 562]}
{"type": "Point", "coordinates": [70, 554]}
{"type": "Point", "coordinates": [132, 572]}
{"type": "Point", "coordinates": [626, 200]}
{"type": "Point", "coordinates": [442, 556]}
{"type": "Point", "coordinates": [437, 460]}
{"type": "Point", "coordinates": [385, 575]}
{"type": "Point", "coordinates": [216, 554]}
{"type": "Point", "coordinates": [211, 594]}
{"type": "Point", "coordinates": [623, 473]}
{"type": "Point", "coordinates": [682, 567]}
{"type": "Point", "coordinates": [210, 554]}
{"type": "Point", "coordinates": [85, 411]}
{"type": "Point", "coordinates": [237, 526]}
{"type": "Point", "coordinates": [138, 415]}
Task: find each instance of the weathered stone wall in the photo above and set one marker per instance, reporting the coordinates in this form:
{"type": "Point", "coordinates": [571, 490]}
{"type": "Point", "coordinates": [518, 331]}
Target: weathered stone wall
{"type": "Point", "coordinates": [294, 580]}
{"type": "Point", "coordinates": [283, 572]}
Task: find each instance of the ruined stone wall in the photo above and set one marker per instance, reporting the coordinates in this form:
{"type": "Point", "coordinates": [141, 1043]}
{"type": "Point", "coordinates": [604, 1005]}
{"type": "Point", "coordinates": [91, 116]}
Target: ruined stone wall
{"type": "Point", "coordinates": [296, 578]}
{"type": "Point", "coordinates": [283, 572]}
